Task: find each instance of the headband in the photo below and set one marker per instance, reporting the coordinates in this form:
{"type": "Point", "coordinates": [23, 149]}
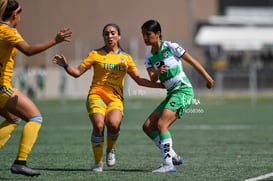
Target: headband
{"type": "Point", "coordinates": [16, 10]}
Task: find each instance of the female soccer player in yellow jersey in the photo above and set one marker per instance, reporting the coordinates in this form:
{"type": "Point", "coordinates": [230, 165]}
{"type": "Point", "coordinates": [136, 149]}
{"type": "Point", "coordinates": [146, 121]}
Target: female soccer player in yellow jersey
{"type": "Point", "coordinates": [164, 63]}
{"type": "Point", "coordinates": [14, 105]}
{"type": "Point", "coordinates": [105, 97]}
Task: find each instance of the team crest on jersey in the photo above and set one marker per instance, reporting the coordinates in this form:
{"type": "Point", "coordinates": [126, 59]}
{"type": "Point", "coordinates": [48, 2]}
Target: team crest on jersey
{"type": "Point", "coordinates": [104, 59]}
{"type": "Point", "coordinates": [122, 60]}
{"type": "Point", "coordinates": [165, 53]}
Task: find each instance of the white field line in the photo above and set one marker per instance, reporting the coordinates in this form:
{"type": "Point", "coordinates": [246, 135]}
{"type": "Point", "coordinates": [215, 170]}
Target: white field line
{"type": "Point", "coordinates": [260, 177]}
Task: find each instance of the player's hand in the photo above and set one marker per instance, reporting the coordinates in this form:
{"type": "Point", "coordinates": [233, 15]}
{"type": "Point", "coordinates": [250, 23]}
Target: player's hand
{"type": "Point", "coordinates": [63, 35]}
{"type": "Point", "coordinates": [59, 60]}
{"type": "Point", "coordinates": [210, 83]}
{"type": "Point", "coordinates": [163, 69]}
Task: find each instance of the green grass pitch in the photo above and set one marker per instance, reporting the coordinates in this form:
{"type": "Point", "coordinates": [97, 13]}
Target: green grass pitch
{"type": "Point", "coordinates": [219, 139]}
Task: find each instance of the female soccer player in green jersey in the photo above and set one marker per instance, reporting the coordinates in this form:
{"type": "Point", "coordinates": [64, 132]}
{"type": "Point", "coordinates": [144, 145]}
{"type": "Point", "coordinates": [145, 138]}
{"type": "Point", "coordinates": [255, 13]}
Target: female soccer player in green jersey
{"type": "Point", "coordinates": [14, 105]}
{"type": "Point", "coordinates": [164, 63]}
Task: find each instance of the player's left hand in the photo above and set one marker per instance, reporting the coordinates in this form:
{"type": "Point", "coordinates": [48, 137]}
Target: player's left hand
{"type": "Point", "coordinates": [210, 83]}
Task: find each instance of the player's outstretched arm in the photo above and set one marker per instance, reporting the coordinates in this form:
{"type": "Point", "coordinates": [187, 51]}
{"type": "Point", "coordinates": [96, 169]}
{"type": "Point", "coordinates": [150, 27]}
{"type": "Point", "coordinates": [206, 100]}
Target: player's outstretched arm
{"type": "Point", "coordinates": [199, 68]}
{"type": "Point", "coordinates": [144, 82]}
{"type": "Point", "coordinates": [63, 35]}
{"type": "Point", "coordinates": [61, 61]}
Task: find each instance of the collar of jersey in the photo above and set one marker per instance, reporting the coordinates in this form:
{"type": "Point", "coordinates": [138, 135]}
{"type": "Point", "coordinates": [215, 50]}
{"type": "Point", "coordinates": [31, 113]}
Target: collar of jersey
{"type": "Point", "coordinates": [6, 24]}
{"type": "Point", "coordinates": [153, 53]}
{"type": "Point", "coordinates": [105, 49]}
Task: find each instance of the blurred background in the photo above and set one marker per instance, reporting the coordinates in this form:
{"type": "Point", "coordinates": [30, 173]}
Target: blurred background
{"type": "Point", "coordinates": [232, 39]}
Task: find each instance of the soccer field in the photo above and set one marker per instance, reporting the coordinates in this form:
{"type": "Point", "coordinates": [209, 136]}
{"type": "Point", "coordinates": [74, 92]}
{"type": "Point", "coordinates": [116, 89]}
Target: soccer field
{"type": "Point", "coordinates": [219, 139]}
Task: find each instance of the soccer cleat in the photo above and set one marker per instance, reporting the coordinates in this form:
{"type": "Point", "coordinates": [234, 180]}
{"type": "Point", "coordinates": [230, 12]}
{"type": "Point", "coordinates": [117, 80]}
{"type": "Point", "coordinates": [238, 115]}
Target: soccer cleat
{"type": "Point", "coordinates": [98, 167]}
{"type": "Point", "coordinates": [177, 160]}
{"type": "Point", "coordinates": [165, 168]}
{"type": "Point", "coordinates": [110, 158]}
{"type": "Point", "coordinates": [24, 170]}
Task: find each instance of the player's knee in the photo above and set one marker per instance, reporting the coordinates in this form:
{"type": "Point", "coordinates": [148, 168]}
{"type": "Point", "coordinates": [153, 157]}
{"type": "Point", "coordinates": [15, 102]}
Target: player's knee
{"type": "Point", "coordinates": [98, 128]}
{"type": "Point", "coordinates": [161, 126]}
{"type": "Point", "coordinates": [113, 124]}
{"type": "Point", "coordinates": [113, 127]}
{"type": "Point", "coordinates": [148, 128]}
{"type": "Point", "coordinates": [144, 128]}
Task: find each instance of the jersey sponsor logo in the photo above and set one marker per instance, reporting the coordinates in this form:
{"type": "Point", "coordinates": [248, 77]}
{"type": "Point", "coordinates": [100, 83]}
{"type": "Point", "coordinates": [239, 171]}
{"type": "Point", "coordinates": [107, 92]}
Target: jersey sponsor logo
{"type": "Point", "coordinates": [159, 64]}
{"type": "Point", "coordinates": [172, 104]}
{"type": "Point", "coordinates": [113, 77]}
{"type": "Point", "coordinates": [111, 66]}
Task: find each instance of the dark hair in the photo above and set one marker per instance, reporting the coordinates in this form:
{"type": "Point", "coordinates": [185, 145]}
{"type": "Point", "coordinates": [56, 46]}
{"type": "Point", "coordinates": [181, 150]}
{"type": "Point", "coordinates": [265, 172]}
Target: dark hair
{"type": "Point", "coordinates": [117, 28]}
{"type": "Point", "coordinates": [152, 25]}
{"type": "Point", "coordinates": [11, 6]}
{"type": "Point", "coordinates": [111, 24]}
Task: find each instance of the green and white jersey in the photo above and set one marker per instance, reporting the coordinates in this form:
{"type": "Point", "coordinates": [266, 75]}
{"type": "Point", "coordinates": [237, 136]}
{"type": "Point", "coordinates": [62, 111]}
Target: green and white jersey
{"type": "Point", "coordinates": [168, 54]}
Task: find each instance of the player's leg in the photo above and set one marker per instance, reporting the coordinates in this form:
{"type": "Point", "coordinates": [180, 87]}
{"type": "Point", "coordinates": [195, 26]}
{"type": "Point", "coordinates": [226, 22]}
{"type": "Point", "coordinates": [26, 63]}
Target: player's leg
{"type": "Point", "coordinates": [97, 140]}
{"type": "Point", "coordinates": [151, 129]}
{"type": "Point", "coordinates": [21, 106]}
{"type": "Point", "coordinates": [96, 109]}
{"type": "Point", "coordinates": [166, 119]}
{"type": "Point", "coordinates": [176, 105]}
{"type": "Point", "coordinates": [113, 121]}
{"type": "Point", "coordinates": [7, 126]}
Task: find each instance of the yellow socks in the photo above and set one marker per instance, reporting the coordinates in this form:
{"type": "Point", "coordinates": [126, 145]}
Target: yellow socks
{"type": "Point", "coordinates": [112, 139]}
{"type": "Point", "coordinates": [29, 136]}
{"type": "Point", "coordinates": [6, 128]}
{"type": "Point", "coordinates": [97, 145]}
{"type": "Point", "coordinates": [98, 142]}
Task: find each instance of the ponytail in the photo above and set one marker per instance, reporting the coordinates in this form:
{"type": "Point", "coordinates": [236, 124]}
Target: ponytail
{"type": "Point", "coordinates": [3, 6]}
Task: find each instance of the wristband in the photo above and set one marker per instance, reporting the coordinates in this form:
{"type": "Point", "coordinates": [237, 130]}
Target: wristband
{"type": "Point", "coordinates": [65, 67]}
